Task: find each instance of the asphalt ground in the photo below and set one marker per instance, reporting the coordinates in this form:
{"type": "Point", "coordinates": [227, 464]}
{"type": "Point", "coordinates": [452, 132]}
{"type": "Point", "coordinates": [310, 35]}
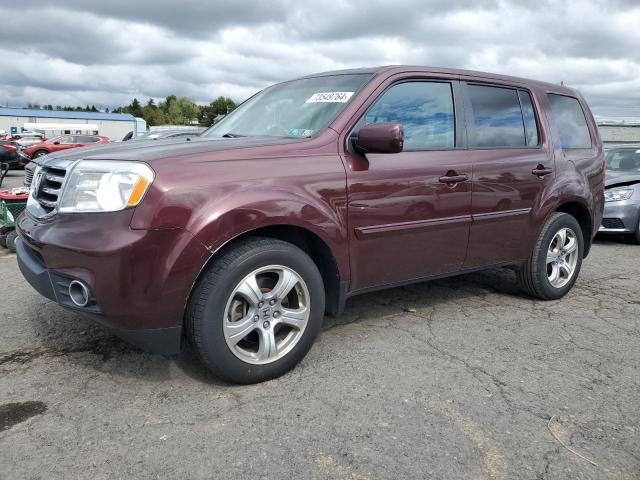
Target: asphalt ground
{"type": "Point", "coordinates": [462, 378]}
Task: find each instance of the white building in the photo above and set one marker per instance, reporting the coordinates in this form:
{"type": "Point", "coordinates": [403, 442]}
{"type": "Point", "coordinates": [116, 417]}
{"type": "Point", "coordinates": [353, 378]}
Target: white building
{"type": "Point", "coordinates": [619, 129]}
{"type": "Point", "coordinates": [58, 122]}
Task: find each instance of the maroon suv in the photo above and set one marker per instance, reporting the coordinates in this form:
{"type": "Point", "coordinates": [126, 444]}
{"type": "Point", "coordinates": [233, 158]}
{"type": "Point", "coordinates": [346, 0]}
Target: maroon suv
{"type": "Point", "coordinates": [313, 191]}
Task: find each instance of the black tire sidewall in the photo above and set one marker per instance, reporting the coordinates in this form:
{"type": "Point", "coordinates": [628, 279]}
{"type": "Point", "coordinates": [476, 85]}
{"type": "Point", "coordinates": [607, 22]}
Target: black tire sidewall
{"type": "Point", "coordinates": [563, 221]}
{"type": "Point", "coordinates": [10, 240]}
{"type": "Point", "coordinates": [212, 345]}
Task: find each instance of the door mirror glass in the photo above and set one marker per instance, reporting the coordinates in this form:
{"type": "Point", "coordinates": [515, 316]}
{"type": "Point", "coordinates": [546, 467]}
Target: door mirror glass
{"type": "Point", "coordinates": [379, 138]}
{"type": "Point", "coordinates": [56, 143]}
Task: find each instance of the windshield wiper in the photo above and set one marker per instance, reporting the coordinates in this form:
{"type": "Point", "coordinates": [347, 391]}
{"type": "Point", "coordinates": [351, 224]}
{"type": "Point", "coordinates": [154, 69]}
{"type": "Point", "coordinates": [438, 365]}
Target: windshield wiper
{"type": "Point", "coordinates": [232, 135]}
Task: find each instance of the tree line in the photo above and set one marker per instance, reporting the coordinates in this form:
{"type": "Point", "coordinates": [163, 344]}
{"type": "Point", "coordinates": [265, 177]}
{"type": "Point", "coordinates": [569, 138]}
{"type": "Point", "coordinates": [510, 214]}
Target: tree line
{"type": "Point", "coordinates": [171, 111]}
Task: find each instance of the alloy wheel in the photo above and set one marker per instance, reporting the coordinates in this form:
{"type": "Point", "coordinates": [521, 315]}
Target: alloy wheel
{"type": "Point", "coordinates": [562, 257]}
{"type": "Point", "coordinates": [266, 314]}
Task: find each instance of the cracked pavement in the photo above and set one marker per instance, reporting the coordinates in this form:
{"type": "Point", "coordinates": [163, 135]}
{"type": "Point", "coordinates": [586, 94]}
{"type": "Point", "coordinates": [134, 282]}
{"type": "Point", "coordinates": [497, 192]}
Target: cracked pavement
{"type": "Point", "coordinates": [456, 378]}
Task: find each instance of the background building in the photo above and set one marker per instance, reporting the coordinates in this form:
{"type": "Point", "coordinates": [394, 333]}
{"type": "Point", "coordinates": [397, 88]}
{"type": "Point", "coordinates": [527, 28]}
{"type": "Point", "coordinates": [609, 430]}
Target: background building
{"type": "Point", "coordinates": [57, 122]}
{"type": "Point", "coordinates": [619, 129]}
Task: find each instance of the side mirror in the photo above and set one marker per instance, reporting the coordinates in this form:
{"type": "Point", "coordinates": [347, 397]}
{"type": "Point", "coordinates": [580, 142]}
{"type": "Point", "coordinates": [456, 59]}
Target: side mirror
{"type": "Point", "coordinates": [379, 138]}
{"type": "Point", "coordinates": [56, 143]}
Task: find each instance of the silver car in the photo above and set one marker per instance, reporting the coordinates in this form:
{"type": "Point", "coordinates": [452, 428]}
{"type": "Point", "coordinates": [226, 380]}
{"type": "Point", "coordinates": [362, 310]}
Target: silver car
{"type": "Point", "coordinates": [622, 192]}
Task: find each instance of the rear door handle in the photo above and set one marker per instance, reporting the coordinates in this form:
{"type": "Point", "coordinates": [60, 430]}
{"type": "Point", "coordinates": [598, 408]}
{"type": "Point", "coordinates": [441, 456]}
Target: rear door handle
{"type": "Point", "coordinates": [541, 171]}
{"type": "Point", "coordinates": [453, 177]}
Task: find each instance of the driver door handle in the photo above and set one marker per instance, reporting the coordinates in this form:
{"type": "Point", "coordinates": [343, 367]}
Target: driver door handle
{"type": "Point", "coordinates": [453, 177]}
{"type": "Point", "coordinates": [541, 171]}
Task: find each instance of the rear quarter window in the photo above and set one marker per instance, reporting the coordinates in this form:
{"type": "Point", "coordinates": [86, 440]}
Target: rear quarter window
{"type": "Point", "coordinates": [570, 121]}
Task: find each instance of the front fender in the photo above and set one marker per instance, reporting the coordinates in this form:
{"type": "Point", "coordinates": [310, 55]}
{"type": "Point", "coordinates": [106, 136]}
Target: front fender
{"type": "Point", "coordinates": [217, 227]}
{"type": "Point", "coordinates": [219, 201]}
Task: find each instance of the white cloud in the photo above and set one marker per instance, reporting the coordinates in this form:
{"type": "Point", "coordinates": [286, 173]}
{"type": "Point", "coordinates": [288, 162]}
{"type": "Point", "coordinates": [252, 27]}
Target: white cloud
{"type": "Point", "coordinates": [108, 52]}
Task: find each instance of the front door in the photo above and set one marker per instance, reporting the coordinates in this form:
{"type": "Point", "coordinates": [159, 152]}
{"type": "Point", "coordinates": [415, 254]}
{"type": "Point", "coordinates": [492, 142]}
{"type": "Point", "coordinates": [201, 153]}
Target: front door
{"type": "Point", "coordinates": [410, 212]}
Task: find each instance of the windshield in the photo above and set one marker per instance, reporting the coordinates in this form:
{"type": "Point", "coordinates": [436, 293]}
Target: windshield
{"type": "Point", "coordinates": [296, 109]}
{"type": "Point", "coordinates": [624, 160]}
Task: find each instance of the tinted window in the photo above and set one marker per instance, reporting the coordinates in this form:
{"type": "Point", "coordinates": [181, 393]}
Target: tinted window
{"type": "Point", "coordinates": [570, 122]}
{"type": "Point", "coordinates": [497, 117]}
{"type": "Point", "coordinates": [529, 117]}
{"type": "Point", "coordinates": [425, 110]}
{"type": "Point", "coordinates": [624, 160]}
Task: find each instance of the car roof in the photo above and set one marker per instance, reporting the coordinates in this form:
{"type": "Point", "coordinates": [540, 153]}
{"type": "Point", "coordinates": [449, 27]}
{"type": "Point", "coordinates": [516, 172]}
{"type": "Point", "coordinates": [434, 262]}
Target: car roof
{"type": "Point", "coordinates": [391, 69]}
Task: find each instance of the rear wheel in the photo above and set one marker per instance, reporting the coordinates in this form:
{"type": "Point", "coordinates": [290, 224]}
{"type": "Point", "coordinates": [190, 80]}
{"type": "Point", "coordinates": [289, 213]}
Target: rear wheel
{"type": "Point", "coordinates": [256, 311]}
{"type": "Point", "coordinates": [554, 265]}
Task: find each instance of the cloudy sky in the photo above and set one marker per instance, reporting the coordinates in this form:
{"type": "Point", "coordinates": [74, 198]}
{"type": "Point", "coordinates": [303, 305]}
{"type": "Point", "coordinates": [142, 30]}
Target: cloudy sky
{"type": "Point", "coordinates": [105, 53]}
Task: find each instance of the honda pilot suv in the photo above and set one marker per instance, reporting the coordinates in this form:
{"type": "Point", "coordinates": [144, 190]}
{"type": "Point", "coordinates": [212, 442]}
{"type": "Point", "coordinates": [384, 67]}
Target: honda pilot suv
{"type": "Point", "coordinates": [311, 192]}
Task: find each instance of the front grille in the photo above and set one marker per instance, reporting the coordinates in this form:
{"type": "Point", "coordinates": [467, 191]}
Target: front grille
{"type": "Point", "coordinates": [50, 187]}
{"type": "Point", "coordinates": [613, 223]}
{"type": "Point", "coordinates": [28, 176]}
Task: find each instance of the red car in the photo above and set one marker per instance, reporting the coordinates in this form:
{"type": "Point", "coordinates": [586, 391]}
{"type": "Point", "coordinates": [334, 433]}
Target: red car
{"type": "Point", "coordinates": [63, 142]}
{"type": "Point", "coordinates": [311, 192]}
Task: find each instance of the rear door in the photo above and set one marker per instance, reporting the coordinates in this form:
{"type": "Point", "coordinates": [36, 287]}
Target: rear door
{"type": "Point", "coordinates": [406, 220]}
{"type": "Point", "coordinates": [512, 165]}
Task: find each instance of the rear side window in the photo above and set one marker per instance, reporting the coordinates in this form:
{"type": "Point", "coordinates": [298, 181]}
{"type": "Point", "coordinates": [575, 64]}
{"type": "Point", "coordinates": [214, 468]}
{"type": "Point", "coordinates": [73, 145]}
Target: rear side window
{"type": "Point", "coordinates": [570, 121]}
{"type": "Point", "coordinates": [497, 117]}
{"type": "Point", "coordinates": [425, 110]}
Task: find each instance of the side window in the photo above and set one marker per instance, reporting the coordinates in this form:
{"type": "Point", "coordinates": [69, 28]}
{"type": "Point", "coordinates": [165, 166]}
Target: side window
{"type": "Point", "coordinates": [497, 117]}
{"type": "Point", "coordinates": [425, 110]}
{"type": "Point", "coordinates": [569, 119]}
{"type": "Point", "coordinates": [529, 117]}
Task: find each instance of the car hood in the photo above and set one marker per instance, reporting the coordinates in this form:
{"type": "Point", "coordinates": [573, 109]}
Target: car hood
{"type": "Point", "coordinates": [150, 150]}
{"type": "Point", "coordinates": [620, 178]}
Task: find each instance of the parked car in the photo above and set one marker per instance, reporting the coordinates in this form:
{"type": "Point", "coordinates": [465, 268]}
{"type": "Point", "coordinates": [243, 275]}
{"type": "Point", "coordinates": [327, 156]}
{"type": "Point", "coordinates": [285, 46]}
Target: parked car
{"type": "Point", "coordinates": [12, 154]}
{"type": "Point", "coordinates": [311, 192]}
{"type": "Point", "coordinates": [64, 142]}
{"type": "Point", "coordinates": [162, 134]}
{"type": "Point", "coordinates": [622, 193]}
{"type": "Point", "coordinates": [28, 139]}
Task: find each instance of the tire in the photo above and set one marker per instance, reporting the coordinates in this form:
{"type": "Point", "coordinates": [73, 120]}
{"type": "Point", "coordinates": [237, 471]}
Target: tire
{"type": "Point", "coordinates": [635, 237]}
{"type": "Point", "coordinates": [536, 276]}
{"type": "Point", "coordinates": [39, 153]}
{"type": "Point", "coordinates": [11, 241]}
{"type": "Point", "coordinates": [218, 296]}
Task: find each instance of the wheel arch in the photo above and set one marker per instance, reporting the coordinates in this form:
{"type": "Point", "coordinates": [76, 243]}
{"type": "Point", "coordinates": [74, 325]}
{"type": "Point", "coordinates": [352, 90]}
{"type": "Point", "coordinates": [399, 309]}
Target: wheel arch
{"type": "Point", "coordinates": [581, 213]}
{"type": "Point", "coordinates": [312, 244]}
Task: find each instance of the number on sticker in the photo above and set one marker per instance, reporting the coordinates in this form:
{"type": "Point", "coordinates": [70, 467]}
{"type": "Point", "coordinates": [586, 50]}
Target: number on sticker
{"type": "Point", "coordinates": [330, 97]}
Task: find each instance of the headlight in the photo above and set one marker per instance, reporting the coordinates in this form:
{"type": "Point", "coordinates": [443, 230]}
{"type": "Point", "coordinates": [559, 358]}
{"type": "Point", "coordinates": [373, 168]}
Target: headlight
{"type": "Point", "coordinates": [105, 186]}
{"type": "Point", "coordinates": [618, 194]}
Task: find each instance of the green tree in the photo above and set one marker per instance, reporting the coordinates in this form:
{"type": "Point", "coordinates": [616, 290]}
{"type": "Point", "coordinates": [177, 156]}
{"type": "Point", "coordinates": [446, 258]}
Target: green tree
{"type": "Point", "coordinates": [134, 108]}
{"type": "Point", "coordinates": [220, 106]}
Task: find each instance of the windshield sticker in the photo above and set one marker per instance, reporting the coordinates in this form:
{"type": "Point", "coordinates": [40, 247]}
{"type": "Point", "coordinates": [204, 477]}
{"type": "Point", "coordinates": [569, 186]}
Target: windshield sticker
{"type": "Point", "coordinates": [300, 132]}
{"type": "Point", "coordinates": [330, 97]}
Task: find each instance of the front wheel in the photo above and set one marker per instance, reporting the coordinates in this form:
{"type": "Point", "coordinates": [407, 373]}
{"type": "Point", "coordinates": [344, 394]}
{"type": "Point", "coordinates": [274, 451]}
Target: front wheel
{"type": "Point", "coordinates": [635, 237]}
{"type": "Point", "coordinates": [40, 153]}
{"type": "Point", "coordinates": [554, 265]}
{"type": "Point", "coordinates": [256, 310]}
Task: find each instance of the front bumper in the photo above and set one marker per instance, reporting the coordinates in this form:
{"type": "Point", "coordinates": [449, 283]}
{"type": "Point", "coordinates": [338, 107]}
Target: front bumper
{"type": "Point", "coordinates": [621, 217]}
{"type": "Point", "coordinates": [139, 280]}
